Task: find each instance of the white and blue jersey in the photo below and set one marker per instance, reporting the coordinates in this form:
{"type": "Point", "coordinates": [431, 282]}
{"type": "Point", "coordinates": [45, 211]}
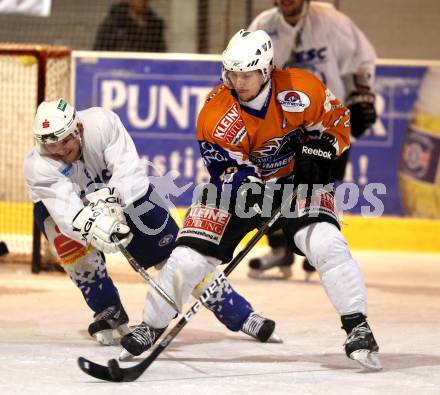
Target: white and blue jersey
{"type": "Point", "coordinates": [109, 157]}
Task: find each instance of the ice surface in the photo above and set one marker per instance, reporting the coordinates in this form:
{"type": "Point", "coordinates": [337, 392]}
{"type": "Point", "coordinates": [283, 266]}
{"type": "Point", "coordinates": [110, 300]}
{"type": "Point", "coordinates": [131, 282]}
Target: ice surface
{"type": "Point", "coordinates": [43, 323]}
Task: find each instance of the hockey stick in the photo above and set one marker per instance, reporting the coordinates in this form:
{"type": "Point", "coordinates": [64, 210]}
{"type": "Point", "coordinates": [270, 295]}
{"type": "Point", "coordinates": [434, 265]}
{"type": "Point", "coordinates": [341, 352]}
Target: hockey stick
{"type": "Point", "coordinates": [135, 265]}
{"type": "Point", "coordinates": [113, 372]}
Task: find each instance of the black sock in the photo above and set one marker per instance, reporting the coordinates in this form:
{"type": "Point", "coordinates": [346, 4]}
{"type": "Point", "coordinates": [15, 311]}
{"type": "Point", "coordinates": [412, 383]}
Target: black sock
{"type": "Point", "coordinates": [350, 321]}
{"type": "Point", "coordinates": [3, 248]}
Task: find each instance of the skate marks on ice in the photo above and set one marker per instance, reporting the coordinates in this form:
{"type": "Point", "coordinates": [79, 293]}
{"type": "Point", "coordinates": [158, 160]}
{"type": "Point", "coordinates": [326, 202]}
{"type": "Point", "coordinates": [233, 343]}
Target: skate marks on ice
{"type": "Point", "coordinates": [32, 368]}
{"type": "Point", "coordinates": [34, 354]}
{"type": "Point", "coordinates": [327, 361]}
{"type": "Point", "coordinates": [19, 291]}
{"type": "Point", "coordinates": [182, 351]}
{"type": "Point", "coordinates": [193, 341]}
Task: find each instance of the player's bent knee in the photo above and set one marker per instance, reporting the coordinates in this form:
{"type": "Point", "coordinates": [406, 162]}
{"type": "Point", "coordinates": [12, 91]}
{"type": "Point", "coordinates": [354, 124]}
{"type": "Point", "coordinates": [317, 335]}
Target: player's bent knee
{"type": "Point", "coordinates": [67, 250]}
{"type": "Point", "coordinates": [88, 262]}
{"type": "Point", "coordinates": [326, 248]}
{"type": "Point", "coordinates": [323, 244]}
{"type": "Point", "coordinates": [191, 264]}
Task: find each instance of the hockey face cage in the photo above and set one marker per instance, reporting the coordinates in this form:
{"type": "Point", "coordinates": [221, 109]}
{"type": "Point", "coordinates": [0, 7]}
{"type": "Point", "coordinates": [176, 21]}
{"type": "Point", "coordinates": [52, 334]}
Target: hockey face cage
{"type": "Point", "coordinates": [54, 121]}
{"type": "Point", "coordinates": [58, 135]}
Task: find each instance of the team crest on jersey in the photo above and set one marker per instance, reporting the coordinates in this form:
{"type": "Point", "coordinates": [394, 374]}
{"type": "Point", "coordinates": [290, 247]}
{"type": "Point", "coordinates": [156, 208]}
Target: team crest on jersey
{"type": "Point", "coordinates": [167, 239]}
{"type": "Point", "coordinates": [277, 152]}
{"type": "Point", "coordinates": [293, 101]}
{"type": "Point", "coordinates": [230, 128]}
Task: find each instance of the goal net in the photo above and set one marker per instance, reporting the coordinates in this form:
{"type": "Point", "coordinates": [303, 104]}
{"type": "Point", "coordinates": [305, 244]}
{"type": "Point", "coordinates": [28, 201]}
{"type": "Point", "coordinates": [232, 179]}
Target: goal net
{"type": "Point", "coordinates": [29, 74]}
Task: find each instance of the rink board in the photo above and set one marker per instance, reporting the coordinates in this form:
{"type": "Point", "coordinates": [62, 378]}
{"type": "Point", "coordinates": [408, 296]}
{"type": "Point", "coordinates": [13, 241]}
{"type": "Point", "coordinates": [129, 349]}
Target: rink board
{"type": "Point", "coordinates": [158, 97]}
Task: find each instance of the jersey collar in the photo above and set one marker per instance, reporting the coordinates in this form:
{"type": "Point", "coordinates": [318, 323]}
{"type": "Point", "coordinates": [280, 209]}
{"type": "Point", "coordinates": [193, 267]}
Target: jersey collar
{"type": "Point", "coordinates": [258, 106]}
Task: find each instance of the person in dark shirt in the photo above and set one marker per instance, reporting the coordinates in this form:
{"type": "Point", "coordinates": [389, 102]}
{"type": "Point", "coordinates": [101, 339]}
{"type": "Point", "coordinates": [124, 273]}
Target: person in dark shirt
{"type": "Point", "coordinates": [131, 26]}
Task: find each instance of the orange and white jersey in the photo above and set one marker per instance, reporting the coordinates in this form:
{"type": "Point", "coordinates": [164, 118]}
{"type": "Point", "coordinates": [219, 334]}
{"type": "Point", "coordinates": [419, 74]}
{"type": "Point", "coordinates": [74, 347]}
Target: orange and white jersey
{"type": "Point", "coordinates": [237, 141]}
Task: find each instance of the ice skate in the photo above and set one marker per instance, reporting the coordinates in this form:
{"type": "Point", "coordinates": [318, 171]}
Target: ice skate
{"type": "Point", "coordinates": [260, 328]}
{"type": "Point", "coordinates": [362, 347]}
{"type": "Point", "coordinates": [138, 341]}
{"type": "Point", "coordinates": [113, 317]}
{"type": "Point", "coordinates": [280, 257]}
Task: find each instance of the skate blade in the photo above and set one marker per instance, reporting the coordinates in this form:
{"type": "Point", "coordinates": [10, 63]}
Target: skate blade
{"type": "Point", "coordinates": [274, 338]}
{"type": "Point", "coordinates": [105, 337]}
{"type": "Point", "coordinates": [367, 359]}
{"type": "Point", "coordinates": [125, 355]}
{"type": "Point", "coordinates": [255, 274]}
{"type": "Point", "coordinates": [261, 275]}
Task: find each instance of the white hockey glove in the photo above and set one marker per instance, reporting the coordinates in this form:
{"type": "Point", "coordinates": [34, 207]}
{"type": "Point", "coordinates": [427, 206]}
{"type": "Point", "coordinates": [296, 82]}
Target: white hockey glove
{"type": "Point", "coordinates": [96, 228]}
{"type": "Point", "coordinates": [108, 201]}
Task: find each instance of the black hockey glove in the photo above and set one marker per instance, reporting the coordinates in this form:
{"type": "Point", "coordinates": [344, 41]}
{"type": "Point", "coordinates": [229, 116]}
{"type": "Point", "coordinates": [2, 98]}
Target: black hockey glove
{"type": "Point", "coordinates": [363, 114]}
{"type": "Point", "coordinates": [250, 199]}
{"type": "Point", "coordinates": [314, 162]}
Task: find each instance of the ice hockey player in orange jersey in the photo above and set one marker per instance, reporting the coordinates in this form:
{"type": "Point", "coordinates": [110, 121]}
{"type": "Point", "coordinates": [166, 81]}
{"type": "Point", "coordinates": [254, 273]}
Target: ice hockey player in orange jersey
{"type": "Point", "coordinates": [296, 107]}
{"type": "Point", "coordinates": [263, 132]}
{"type": "Point", "coordinates": [317, 37]}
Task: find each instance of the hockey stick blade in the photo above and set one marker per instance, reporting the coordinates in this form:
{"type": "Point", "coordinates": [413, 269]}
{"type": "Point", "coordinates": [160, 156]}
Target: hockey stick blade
{"type": "Point", "coordinates": [113, 372]}
{"type": "Point", "coordinates": [95, 370]}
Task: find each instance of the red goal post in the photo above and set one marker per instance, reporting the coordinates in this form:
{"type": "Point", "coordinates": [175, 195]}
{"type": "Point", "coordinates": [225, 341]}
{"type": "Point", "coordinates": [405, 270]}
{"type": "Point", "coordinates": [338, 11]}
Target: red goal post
{"type": "Point", "coordinates": [29, 74]}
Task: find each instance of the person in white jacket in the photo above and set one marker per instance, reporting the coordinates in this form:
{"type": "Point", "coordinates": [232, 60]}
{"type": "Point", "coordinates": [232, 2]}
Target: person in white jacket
{"type": "Point", "coordinates": [87, 182]}
{"type": "Point", "coordinates": [317, 37]}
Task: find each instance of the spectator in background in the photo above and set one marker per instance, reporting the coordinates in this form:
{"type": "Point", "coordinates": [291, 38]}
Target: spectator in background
{"type": "Point", "coordinates": [318, 38]}
{"type": "Point", "coordinates": [131, 26]}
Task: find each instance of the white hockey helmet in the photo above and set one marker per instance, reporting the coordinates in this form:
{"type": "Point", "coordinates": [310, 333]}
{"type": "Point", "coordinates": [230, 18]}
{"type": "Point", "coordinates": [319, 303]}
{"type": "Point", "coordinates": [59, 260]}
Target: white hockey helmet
{"type": "Point", "coordinates": [248, 51]}
{"type": "Point", "coordinates": [54, 121]}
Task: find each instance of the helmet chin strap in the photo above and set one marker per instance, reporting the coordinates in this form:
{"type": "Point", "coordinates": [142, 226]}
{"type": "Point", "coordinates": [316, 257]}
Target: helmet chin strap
{"type": "Point", "coordinates": [79, 137]}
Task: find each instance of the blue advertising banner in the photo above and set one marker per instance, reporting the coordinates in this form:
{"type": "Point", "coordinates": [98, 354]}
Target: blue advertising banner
{"type": "Point", "coordinates": [375, 157]}
{"type": "Point", "coordinates": [158, 100]}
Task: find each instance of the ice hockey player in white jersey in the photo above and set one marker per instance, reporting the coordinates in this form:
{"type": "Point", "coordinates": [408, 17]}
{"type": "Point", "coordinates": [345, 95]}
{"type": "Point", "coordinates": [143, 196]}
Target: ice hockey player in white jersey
{"type": "Point", "coordinates": [264, 127]}
{"type": "Point", "coordinates": [316, 37]}
{"type": "Point", "coordinates": [87, 182]}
